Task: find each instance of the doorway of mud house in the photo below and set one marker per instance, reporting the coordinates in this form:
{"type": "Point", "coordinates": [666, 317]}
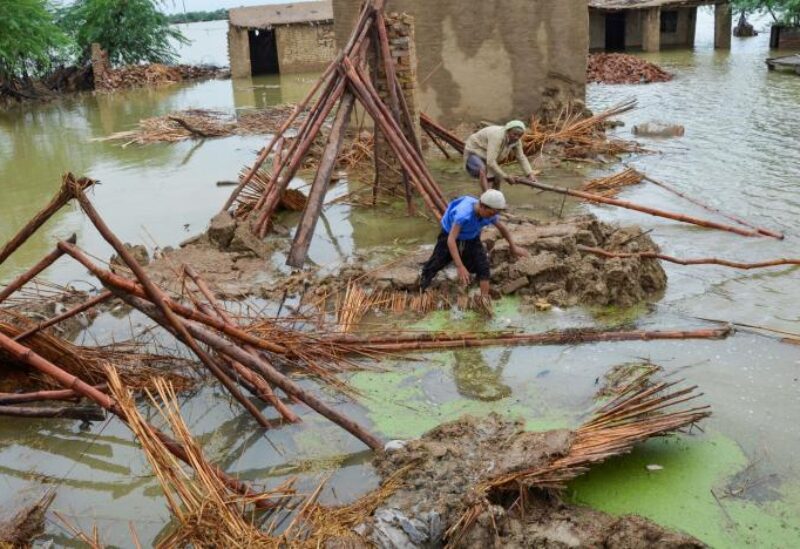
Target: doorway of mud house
{"type": "Point", "coordinates": [615, 31]}
{"type": "Point", "coordinates": [263, 52]}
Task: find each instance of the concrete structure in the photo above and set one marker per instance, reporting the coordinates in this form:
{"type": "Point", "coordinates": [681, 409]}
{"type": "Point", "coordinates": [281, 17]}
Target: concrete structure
{"type": "Point", "coordinates": [649, 25]}
{"type": "Point", "coordinates": [491, 59]}
{"type": "Point", "coordinates": [280, 38]}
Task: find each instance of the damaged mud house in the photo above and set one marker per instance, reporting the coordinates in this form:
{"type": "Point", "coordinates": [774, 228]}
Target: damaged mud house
{"type": "Point", "coordinates": [280, 38]}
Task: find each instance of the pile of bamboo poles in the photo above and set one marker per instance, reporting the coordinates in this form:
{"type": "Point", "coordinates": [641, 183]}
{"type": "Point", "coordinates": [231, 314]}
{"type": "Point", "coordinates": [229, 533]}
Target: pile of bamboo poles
{"type": "Point", "coordinates": [344, 83]}
{"type": "Point", "coordinates": [640, 412]}
{"type": "Point", "coordinates": [576, 136]}
{"type": "Point", "coordinates": [238, 360]}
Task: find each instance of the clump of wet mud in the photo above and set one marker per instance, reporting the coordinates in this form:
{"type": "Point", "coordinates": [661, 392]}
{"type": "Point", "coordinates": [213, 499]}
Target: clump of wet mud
{"type": "Point", "coordinates": [557, 271]}
{"type": "Point", "coordinates": [447, 463]}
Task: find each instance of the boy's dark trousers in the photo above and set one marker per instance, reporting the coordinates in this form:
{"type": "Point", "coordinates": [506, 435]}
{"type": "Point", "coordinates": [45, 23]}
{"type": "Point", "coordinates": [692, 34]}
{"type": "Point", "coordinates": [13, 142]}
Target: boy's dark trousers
{"type": "Point", "coordinates": [472, 252]}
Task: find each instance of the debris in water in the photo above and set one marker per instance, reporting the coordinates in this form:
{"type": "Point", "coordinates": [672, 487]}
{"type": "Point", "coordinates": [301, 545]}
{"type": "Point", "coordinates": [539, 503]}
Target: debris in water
{"type": "Point", "coordinates": [623, 68]}
{"type": "Point", "coordinates": [27, 525]}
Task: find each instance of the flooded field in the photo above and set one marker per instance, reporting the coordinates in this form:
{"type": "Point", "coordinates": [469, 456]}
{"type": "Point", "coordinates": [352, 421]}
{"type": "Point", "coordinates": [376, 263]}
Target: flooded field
{"type": "Point", "coordinates": [736, 483]}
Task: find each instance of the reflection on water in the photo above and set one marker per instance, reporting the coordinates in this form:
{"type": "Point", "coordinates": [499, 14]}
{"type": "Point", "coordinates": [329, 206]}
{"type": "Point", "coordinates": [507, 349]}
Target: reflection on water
{"type": "Point", "coordinates": [476, 379]}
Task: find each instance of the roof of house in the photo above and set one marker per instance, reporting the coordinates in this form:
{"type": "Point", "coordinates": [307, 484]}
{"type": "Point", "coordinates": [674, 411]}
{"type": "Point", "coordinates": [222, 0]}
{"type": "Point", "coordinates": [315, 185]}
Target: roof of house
{"type": "Point", "coordinates": [269, 15]}
{"type": "Point", "coordinates": [641, 4]}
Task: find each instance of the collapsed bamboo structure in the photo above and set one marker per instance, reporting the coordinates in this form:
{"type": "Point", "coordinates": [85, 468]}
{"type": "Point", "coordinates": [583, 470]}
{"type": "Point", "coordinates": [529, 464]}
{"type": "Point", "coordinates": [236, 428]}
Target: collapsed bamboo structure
{"type": "Point", "coordinates": [342, 85]}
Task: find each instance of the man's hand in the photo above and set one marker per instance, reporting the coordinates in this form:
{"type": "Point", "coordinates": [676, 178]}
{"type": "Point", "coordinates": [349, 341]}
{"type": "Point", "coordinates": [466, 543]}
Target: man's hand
{"type": "Point", "coordinates": [463, 275]}
{"type": "Point", "coordinates": [532, 178]}
{"type": "Point", "coordinates": [518, 252]}
{"type": "Point", "coordinates": [510, 179]}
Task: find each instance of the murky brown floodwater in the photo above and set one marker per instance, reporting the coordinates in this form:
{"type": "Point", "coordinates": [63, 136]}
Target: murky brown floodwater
{"type": "Point", "coordinates": [740, 152]}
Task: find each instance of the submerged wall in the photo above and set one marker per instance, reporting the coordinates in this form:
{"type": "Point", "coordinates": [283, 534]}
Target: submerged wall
{"type": "Point", "coordinates": [239, 52]}
{"type": "Point", "coordinates": [305, 47]}
{"type": "Point", "coordinates": [681, 36]}
{"type": "Point", "coordinates": [491, 59]}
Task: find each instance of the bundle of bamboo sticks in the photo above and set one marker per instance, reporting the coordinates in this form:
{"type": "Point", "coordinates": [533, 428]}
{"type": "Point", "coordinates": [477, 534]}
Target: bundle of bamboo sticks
{"type": "Point", "coordinates": [641, 411]}
{"type": "Point", "coordinates": [611, 185]}
{"type": "Point", "coordinates": [343, 83]}
{"type": "Point", "coordinates": [579, 137]}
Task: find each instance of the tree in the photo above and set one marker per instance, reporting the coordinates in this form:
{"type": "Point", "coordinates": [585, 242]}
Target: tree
{"type": "Point", "coordinates": [131, 31]}
{"type": "Point", "coordinates": [782, 11]}
{"type": "Point", "coordinates": [29, 38]}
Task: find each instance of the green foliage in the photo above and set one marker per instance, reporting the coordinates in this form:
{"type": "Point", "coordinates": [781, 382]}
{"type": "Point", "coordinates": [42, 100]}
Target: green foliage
{"type": "Point", "coordinates": [197, 16]}
{"type": "Point", "coordinates": [29, 38]}
{"type": "Point", "coordinates": [782, 11]}
{"type": "Point", "coordinates": [131, 31]}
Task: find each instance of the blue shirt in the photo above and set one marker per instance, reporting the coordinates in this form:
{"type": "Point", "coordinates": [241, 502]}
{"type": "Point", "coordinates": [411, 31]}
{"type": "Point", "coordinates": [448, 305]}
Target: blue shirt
{"type": "Point", "coordinates": [461, 211]}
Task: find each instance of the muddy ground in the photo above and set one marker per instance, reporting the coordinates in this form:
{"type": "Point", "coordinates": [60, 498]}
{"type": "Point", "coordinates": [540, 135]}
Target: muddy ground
{"type": "Point", "coordinates": [557, 272]}
{"type": "Point", "coordinates": [448, 462]}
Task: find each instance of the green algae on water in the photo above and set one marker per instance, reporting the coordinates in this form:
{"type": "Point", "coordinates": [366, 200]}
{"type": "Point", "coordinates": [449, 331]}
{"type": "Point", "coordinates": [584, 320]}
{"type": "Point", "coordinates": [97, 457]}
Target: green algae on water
{"type": "Point", "coordinates": [409, 402]}
{"type": "Point", "coordinates": [680, 495]}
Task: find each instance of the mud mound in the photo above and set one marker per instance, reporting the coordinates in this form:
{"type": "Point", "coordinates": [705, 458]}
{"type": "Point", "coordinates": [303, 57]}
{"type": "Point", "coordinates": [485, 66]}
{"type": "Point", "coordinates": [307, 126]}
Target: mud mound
{"type": "Point", "coordinates": [447, 462]}
{"type": "Point", "coordinates": [557, 271]}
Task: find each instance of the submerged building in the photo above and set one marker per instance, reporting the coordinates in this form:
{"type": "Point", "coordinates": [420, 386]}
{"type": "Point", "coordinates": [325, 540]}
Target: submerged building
{"type": "Point", "coordinates": [280, 38]}
{"type": "Point", "coordinates": [650, 25]}
{"type": "Point", "coordinates": [490, 59]}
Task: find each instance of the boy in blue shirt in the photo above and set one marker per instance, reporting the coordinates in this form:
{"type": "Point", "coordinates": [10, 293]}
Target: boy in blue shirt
{"type": "Point", "coordinates": [460, 239]}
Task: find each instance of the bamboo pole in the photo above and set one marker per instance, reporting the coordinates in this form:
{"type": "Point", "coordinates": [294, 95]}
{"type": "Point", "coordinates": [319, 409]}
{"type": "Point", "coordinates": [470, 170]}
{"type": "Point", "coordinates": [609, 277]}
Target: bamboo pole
{"type": "Point", "coordinates": [157, 296]}
{"type": "Point", "coordinates": [299, 145]}
{"type": "Point", "coordinates": [34, 271]}
{"type": "Point", "coordinates": [78, 309]}
{"type": "Point", "coordinates": [396, 141]}
{"type": "Point", "coordinates": [85, 413]}
{"type": "Point", "coordinates": [225, 347]}
{"type": "Point", "coordinates": [422, 342]}
{"type": "Point", "coordinates": [280, 182]}
{"type": "Point", "coordinates": [68, 381]}
{"type": "Point", "coordinates": [443, 133]}
{"type": "Point", "coordinates": [42, 396]}
{"type": "Point", "coordinates": [308, 221]}
{"type": "Point", "coordinates": [632, 206]}
{"type": "Point", "coordinates": [739, 220]}
{"type": "Point", "coordinates": [129, 286]}
{"type": "Point", "coordinates": [694, 261]}
{"type": "Point", "coordinates": [269, 202]}
{"type": "Point", "coordinates": [412, 151]}
{"type": "Point", "coordinates": [262, 157]}
{"type": "Point", "coordinates": [62, 197]}
{"type": "Point", "coordinates": [266, 392]}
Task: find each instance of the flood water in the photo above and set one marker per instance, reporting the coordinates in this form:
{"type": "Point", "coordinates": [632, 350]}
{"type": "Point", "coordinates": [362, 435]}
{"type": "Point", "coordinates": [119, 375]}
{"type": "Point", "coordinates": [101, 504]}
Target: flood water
{"type": "Point", "coordinates": [736, 483]}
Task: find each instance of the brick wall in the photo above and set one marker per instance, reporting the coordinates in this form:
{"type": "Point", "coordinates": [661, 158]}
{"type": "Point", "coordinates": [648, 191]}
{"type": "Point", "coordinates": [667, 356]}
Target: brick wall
{"type": "Point", "coordinates": [402, 45]}
{"type": "Point", "coordinates": [305, 47]}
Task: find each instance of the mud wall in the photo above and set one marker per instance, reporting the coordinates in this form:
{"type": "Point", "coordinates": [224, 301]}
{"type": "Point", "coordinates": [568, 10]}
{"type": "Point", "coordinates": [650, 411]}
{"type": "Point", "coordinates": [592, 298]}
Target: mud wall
{"type": "Point", "coordinates": [491, 59]}
{"type": "Point", "coordinates": [684, 33]}
{"type": "Point", "coordinates": [597, 30]}
{"type": "Point", "coordinates": [305, 48]}
{"type": "Point", "coordinates": [239, 52]}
